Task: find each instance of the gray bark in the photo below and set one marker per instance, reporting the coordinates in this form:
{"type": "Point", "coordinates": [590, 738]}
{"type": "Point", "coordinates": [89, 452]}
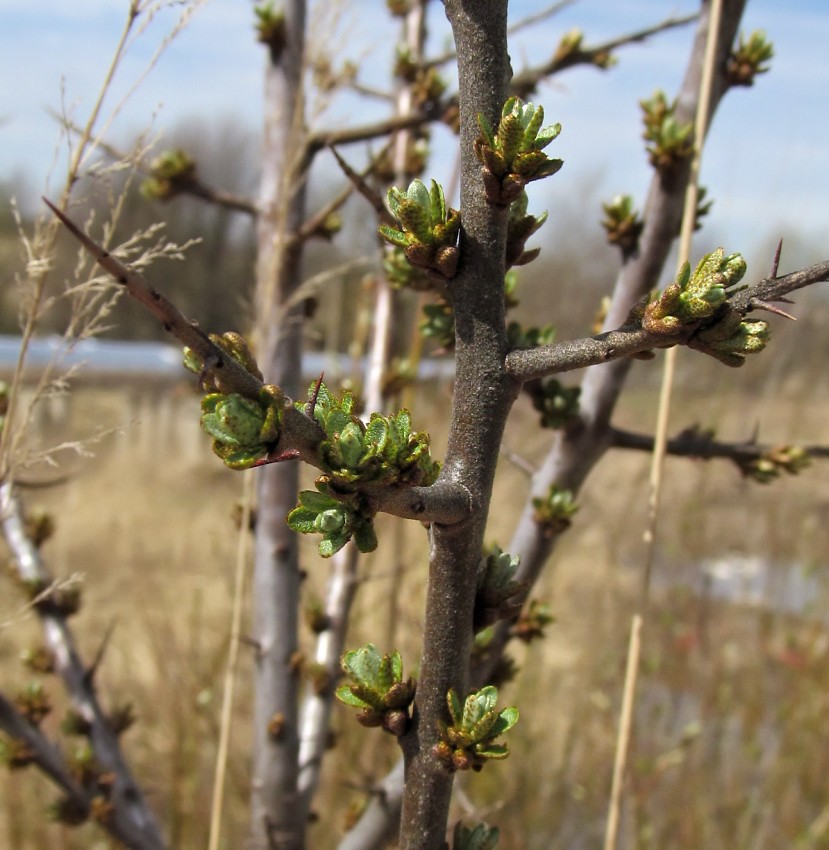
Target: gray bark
{"type": "Point", "coordinates": [276, 817]}
{"type": "Point", "coordinates": [483, 396]}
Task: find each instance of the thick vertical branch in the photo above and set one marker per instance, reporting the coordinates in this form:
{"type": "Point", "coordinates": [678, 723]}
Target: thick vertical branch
{"type": "Point", "coordinates": [277, 820]}
{"type": "Point", "coordinates": [483, 396]}
{"type": "Point", "coordinates": [581, 444]}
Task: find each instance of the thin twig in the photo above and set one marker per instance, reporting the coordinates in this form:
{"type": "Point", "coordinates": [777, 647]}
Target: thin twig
{"type": "Point", "coordinates": [528, 80]}
{"type": "Point", "coordinates": [697, 444]}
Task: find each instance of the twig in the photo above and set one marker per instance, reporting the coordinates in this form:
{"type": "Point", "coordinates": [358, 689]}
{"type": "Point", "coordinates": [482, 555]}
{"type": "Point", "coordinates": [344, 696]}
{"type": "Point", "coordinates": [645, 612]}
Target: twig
{"type": "Point", "coordinates": [528, 80]}
{"type": "Point", "coordinates": [697, 444]}
{"type": "Point", "coordinates": [370, 194]}
{"type": "Point", "coordinates": [234, 375]}
{"type": "Point", "coordinates": [363, 133]}
{"type": "Point", "coordinates": [316, 710]}
{"type": "Point", "coordinates": [183, 185]}
{"type": "Point", "coordinates": [44, 754]}
{"type": "Point", "coordinates": [356, 181]}
{"type": "Point", "coordinates": [538, 17]}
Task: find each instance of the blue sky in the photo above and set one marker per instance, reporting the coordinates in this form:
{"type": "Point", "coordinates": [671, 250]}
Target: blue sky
{"type": "Point", "coordinates": [767, 162]}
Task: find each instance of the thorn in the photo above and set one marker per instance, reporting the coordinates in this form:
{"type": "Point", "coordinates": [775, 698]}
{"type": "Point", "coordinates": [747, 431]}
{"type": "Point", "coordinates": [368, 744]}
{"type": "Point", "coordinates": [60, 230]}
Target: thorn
{"type": "Point", "coordinates": [775, 263]}
{"type": "Point", "coordinates": [311, 406]}
{"type": "Point", "coordinates": [278, 457]}
{"type": "Point", "coordinates": [247, 640]}
{"type": "Point", "coordinates": [210, 364]}
{"type": "Point", "coordinates": [757, 304]}
{"type": "Point", "coordinates": [89, 675]}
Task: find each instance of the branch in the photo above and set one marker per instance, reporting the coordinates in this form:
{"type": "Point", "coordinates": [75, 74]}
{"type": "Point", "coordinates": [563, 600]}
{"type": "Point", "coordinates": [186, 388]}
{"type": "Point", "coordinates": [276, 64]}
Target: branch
{"type": "Point", "coordinates": [130, 815]}
{"type": "Point", "coordinates": [357, 181]}
{"type": "Point", "coordinates": [525, 82]}
{"type": "Point", "coordinates": [378, 825]}
{"type": "Point", "coordinates": [316, 711]}
{"type": "Point", "coordinates": [299, 432]}
{"type": "Point", "coordinates": [183, 186]}
{"type": "Point", "coordinates": [366, 132]}
{"type": "Point", "coordinates": [45, 755]}
{"type": "Point", "coordinates": [577, 448]}
{"type": "Point", "coordinates": [527, 365]}
{"type": "Point", "coordinates": [700, 444]}
{"type": "Point", "coordinates": [774, 288]}
{"type": "Point", "coordinates": [538, 17]}
{"type": "Point", "coordinates": [533, 363]}
{"type": "Point", "coordinates": [197, 188]}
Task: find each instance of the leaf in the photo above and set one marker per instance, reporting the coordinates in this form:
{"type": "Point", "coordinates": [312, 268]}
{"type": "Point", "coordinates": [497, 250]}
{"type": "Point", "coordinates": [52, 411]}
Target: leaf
{"type": "Point", "coordinates": [419, 194]}
{"type": "Point", "coordinates": [536, 117]}
{"type": "Point", "coordinates": [477, 704]}
{"type": "Point", "coordinates": [437, 203]}
{"type": "Point", "coordinates": [316, 501]}
{"type": "Point", "coordinates": [376, 436]}
{"type": "Point", "coordinates": [396, 666]}
{"type": "Point", "coordinates": [394, 197]}
{"type": "Point", "coordinates": [394, 236]}
{"type": "Point", "coordinates": [363, 664]}
{"type": "Point", "coordinates": [416, 220]}
{"type": "Point", "coordinates": [506, 720]}
{"type": "Point", "coordinates": [365, 537]}
{"type": "Point", "coordinates": [481, 730]}
{"type": "Point", "coordinates": [455, 708]}
{"type": "Point", "coordinates": [351, 444]}
{"type": "Point", "coordinates": [481, 837]}
{"type": "Point", "coordinates": [332, 543]}
{"type": "Point", "coordinates": [486, 129]}
{"type": "Point", "coordinates": [508, 106]}
{"type": "Point", "coordinates": [385, 678]}
{"type": "Point", "coordinates": [345, 695]}
{"type": "Point", "coordinates": [335, 422]}
{"type": "Point", "coordinates": [301, 520]}
{"type": "Point", "coordinates": [510, 135]}
{"type": "Point", "coordinates": [547, 135]}
{"type": "Point", "coordinates": [492, 751]}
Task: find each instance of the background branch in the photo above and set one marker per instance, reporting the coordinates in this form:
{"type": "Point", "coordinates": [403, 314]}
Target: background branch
{"type": "Point", "coordinates": [130, 814]}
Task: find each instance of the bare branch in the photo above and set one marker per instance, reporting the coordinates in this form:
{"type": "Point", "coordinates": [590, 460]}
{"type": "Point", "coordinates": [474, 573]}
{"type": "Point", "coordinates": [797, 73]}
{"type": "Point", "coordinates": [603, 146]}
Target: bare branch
{"type": "Point", "coordinates": [527, 80]}
{"type": "Point", "coordinates": [130, 814]}
{"type": "Point", "coordinates": [356, 181]}
{"type": "Point", "coordinates": [366, 132]}
{"type": "Point", "coordinates": [197, 188]}
{"type": "Point", "coordinates": [44, 754]}
{"type": "Point", "coordinates": [189, 185]}
{"type": "Point", "coordinates": [701, 445]}
{"type": "Point", "coordinates": [527, 365]}
{"type": "Point", "coordinates": [538, 17]}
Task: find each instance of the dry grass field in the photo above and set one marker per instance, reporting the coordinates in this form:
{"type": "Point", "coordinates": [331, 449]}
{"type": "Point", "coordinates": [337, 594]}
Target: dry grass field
{"type": "Point", "coordinates": [729, 749]}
